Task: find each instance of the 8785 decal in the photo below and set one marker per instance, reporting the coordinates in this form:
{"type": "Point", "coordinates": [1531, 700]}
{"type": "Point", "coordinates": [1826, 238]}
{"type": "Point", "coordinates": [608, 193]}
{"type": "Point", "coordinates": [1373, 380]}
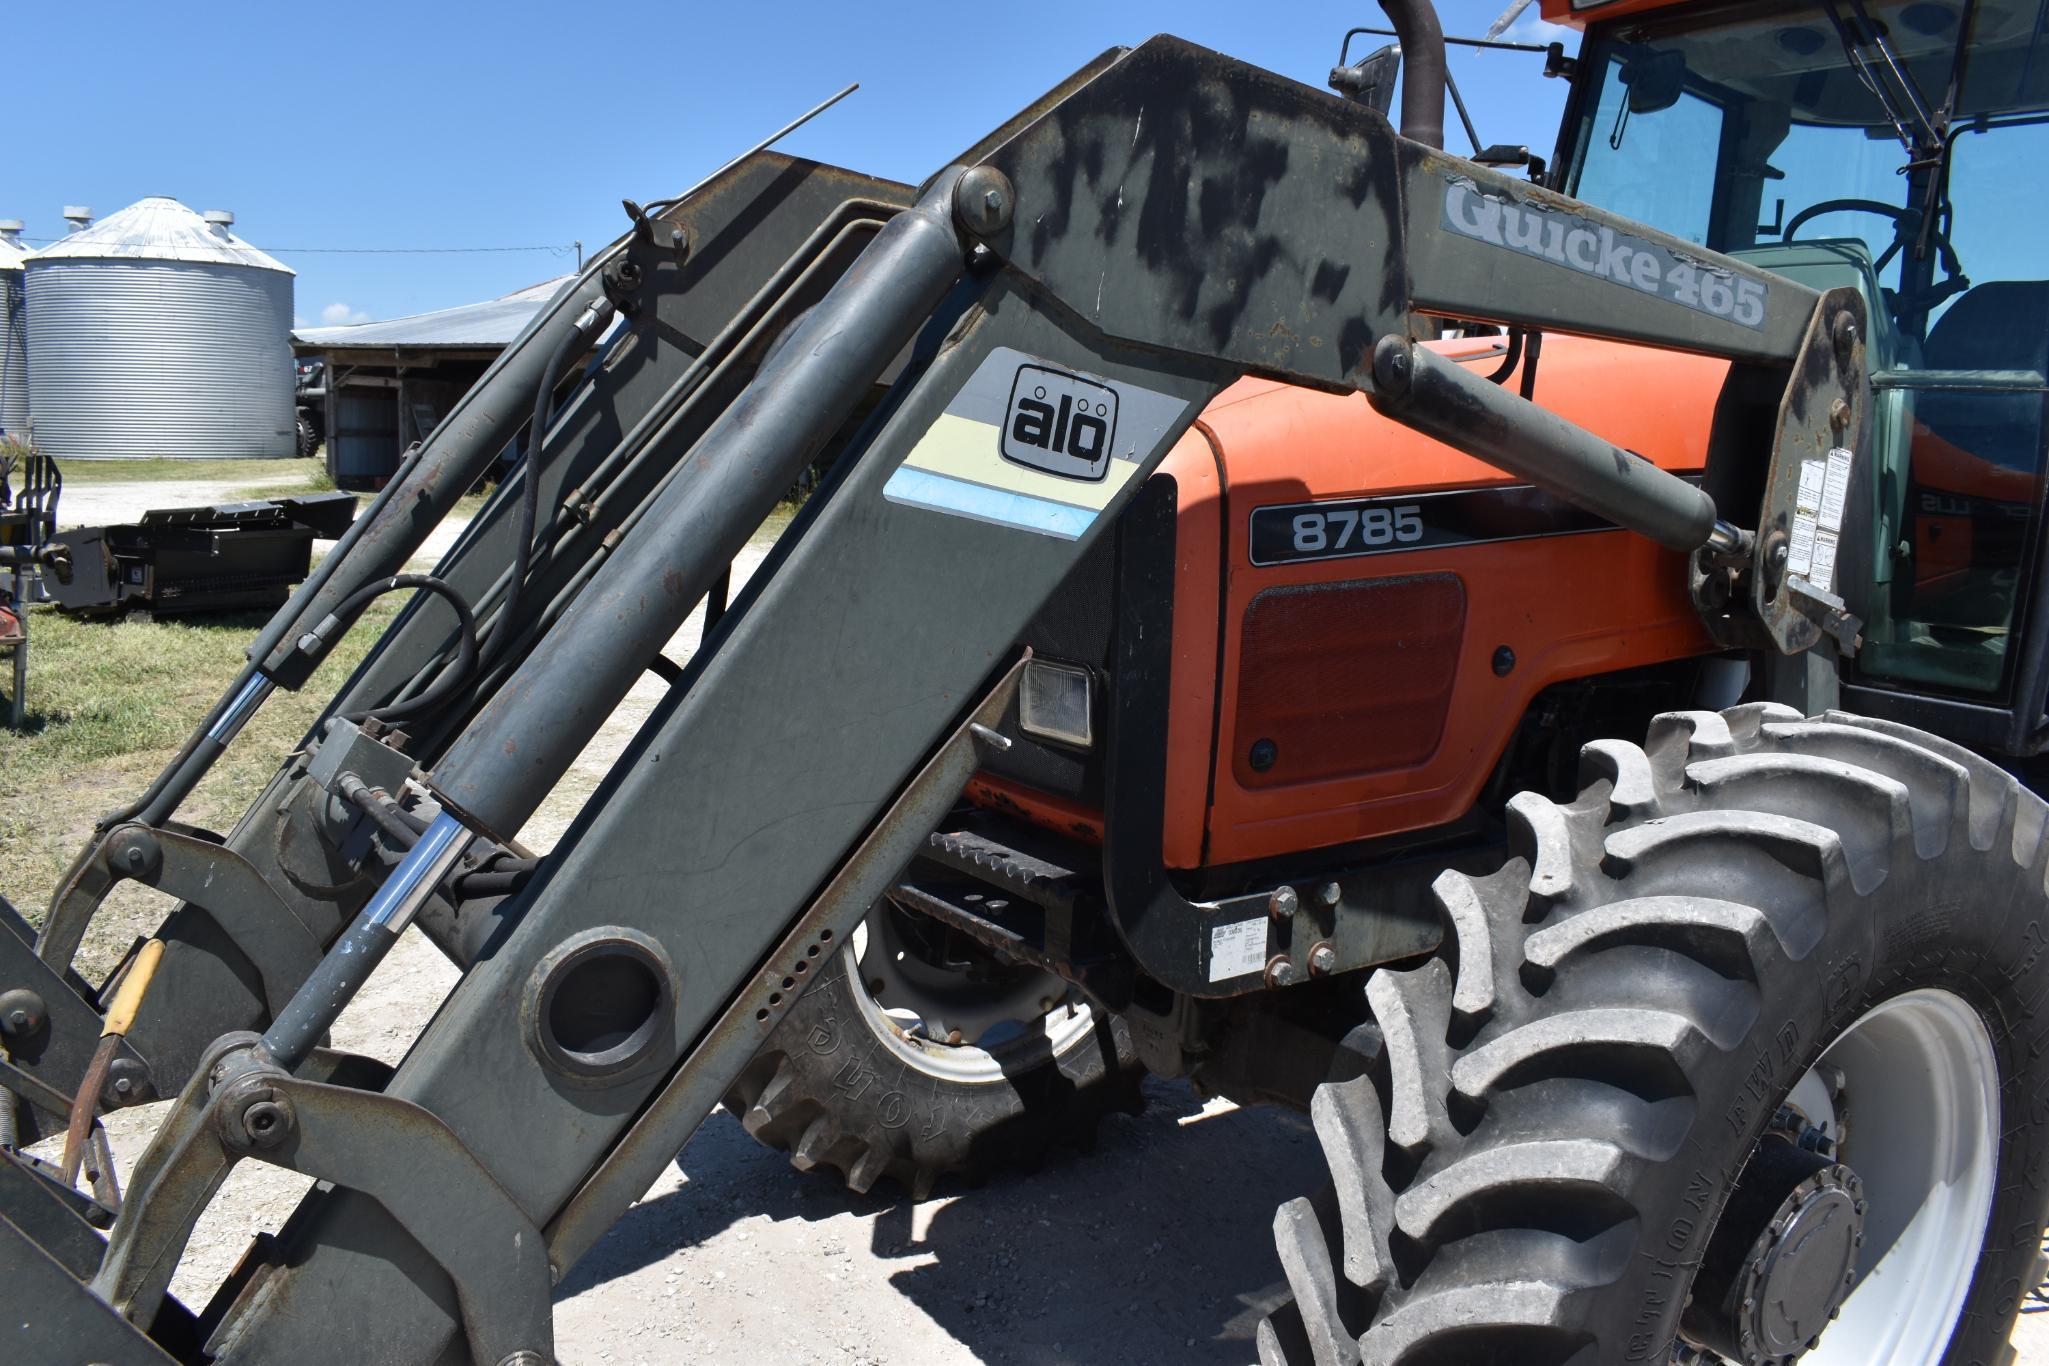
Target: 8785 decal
{"type": "Point", "coordinates": [1346, 526]}
{"type": "Point", "coordinates": [1340, 528]}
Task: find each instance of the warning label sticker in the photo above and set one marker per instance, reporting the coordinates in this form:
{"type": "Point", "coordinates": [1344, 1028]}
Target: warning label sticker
{"type": "Point", "coordinates": [1818, 518]}
{"type": "Point", "coordinates": [1835, 490]}
{"type": "Point", "coordinates": [1237, 950]}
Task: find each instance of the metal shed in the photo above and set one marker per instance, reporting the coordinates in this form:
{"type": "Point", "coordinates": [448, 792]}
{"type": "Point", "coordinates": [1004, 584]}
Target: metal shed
{"type": "Point", "coordinates": [386, 384]}
{"type": "Point", "coordinates": [13, 333]}
{"type": "Point", "coordinates": [159, 332]}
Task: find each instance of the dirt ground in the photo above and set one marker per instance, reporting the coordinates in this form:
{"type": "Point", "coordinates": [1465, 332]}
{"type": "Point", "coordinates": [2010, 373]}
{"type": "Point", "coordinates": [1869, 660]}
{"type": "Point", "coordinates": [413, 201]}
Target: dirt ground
{"type": "Point", "coordinates": [1154, 1248]}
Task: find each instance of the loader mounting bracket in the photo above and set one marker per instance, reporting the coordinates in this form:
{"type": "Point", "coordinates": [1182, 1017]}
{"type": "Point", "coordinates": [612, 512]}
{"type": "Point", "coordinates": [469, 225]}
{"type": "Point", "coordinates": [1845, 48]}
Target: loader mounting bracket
{"type": "Point", "coordinates": [1817, 464]}
{"type": "Point", "coordinates": [241, 1106]}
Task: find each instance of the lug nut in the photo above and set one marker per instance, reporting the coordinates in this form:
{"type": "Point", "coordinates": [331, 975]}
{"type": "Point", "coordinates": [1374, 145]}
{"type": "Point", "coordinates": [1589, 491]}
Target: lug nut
{"type": "Point", "coordinates": [1281, 971]}
{"type": "Point", "coordinates": [1323, 959]}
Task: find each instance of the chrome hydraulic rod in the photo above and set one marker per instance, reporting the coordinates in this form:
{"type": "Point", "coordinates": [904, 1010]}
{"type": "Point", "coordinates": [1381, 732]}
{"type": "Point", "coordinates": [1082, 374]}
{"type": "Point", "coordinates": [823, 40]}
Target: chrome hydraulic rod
{"type": "Point", "coordinates": [199, 756]}
{"type": "Point", "coordinates": [502, 766]}
{"type": "Point", "coordinates": [299, 1027]}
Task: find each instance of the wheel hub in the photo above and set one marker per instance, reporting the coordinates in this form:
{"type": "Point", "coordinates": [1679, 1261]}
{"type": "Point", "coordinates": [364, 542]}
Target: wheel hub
{"type": "Point", "coordinates": [1782, 1259]}
{"type": "Point", "coordinates": [963, 1018]}
{"type": "Point", "coordinates": [953, 999]}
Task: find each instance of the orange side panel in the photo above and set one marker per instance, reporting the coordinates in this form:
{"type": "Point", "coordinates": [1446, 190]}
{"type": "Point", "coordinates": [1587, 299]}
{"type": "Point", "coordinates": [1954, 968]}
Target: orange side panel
{"type": "Point", "coordinates": [1566, 606]}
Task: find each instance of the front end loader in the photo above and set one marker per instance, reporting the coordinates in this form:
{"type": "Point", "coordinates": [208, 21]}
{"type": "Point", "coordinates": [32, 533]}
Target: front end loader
{"type": "Point", "coordinates": [1538, 673]}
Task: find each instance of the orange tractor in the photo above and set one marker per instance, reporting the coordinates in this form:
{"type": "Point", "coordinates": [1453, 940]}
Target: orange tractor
{"type": "Point", "coordinates": [1254, 547]}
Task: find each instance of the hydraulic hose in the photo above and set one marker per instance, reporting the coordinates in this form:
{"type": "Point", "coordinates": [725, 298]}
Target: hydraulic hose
{"type": "Point", "coordinates": [658, 426]}
{"type": "Point", "coordinates": [530, 488]}
{"type": "Point", "coordinates": [499, 879]}
{"type": "Point", "coordinates": [336, 623]}
{"type": "Point", "coordinates": [1509, 361]}
{"type": "Point", "coordinates": [688, 536]}
{"type": "Point", "coordinates": [572, 344]}
{"type": "Point", "coordinates": [383, 812]}
{"type": "Point", "coordinates": [1422, 39]}
{"type": "Point", "coordinates": [175, 781]}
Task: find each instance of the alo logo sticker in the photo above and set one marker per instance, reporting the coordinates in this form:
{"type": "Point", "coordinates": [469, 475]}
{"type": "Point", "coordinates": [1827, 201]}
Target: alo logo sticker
{"type": "Point", "coordinates": [1060, 423]}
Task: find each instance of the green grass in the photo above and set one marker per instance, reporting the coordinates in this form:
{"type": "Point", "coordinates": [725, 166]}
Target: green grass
{"type": "Point", "coordinates": [109, 704]}
{"type": "Point", "coordinates": [256, 472]}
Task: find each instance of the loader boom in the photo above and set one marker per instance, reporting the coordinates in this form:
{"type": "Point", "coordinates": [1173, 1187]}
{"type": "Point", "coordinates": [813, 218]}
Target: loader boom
{"type": "Point", "coordinates": [1057, 309]}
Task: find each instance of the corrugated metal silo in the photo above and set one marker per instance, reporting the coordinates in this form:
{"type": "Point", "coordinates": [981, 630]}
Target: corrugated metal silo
{"type": "Point", "coordinates": [156, 332]}
{"type": "Point", "coordinates": [13, 333]}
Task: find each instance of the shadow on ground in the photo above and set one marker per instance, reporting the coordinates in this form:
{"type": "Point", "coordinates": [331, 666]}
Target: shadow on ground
{"type": "Point", "coordinates": [1156, 1246]}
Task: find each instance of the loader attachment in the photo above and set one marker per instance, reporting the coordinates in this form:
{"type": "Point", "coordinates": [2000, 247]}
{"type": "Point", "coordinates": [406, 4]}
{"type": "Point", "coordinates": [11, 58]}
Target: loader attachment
{"type": "Point", "coordinates": [994, 370]}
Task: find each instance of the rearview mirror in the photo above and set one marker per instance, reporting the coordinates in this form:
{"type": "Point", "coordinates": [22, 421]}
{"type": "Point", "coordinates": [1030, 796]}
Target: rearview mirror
{"type": "Point", "coordinates": [1370, 81]}
{"type": "Point", "coordinates": [1655, 80]}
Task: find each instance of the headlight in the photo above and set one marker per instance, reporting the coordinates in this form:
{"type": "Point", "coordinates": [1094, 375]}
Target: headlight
{"type": "Point", "coordinates": [1053, 703]}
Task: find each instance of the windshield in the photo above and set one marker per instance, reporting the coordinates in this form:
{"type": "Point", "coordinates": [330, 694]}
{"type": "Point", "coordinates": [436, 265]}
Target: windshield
{"type": "Point", "coordinates": [1757, 125]}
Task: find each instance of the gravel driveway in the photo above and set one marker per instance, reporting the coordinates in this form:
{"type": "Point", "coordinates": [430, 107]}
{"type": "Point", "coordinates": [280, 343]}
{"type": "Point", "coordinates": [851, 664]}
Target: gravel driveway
{"type": "Point", "coordinates": [125, 501]}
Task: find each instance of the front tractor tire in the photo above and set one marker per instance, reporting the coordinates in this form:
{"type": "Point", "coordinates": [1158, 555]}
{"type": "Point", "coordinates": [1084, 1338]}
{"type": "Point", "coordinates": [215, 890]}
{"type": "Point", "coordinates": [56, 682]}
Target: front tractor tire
{"type": "Point", "coordinates": [914, 1056]}
{"type": "Point", "coordinates": [1738, 1060]}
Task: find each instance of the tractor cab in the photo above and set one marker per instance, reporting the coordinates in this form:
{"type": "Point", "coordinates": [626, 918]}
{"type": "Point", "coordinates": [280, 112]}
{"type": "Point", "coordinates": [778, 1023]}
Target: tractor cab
{"type": "Point", "coordinates": [1898, 148]}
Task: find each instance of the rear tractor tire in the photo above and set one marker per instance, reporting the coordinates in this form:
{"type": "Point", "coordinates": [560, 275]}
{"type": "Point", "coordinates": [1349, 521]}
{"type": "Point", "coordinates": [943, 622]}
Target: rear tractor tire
{"type": "Point", "coordinates": [913, 1056]}
{"type": "Point", "coordinates": [1742, 1059]}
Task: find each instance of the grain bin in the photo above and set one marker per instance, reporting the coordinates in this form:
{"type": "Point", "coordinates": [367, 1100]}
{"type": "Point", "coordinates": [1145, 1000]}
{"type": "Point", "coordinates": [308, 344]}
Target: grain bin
{"type": "Point", "coordinates": [156, 332]}
{"type": "Point", "coordinates": [13, 333]}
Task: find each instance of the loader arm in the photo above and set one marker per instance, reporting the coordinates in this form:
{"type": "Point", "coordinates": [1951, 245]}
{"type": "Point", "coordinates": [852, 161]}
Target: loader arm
{"type": "Point", "coordinates": [1061, 304]}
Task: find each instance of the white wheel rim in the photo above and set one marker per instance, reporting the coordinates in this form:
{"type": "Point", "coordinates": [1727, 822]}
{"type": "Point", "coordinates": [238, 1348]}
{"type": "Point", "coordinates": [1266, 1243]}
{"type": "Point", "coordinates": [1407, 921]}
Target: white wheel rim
{"type": "Point", "coordinates": [1922, 1132]}
{"type": "Point", "coordinates": [1062, 1028]}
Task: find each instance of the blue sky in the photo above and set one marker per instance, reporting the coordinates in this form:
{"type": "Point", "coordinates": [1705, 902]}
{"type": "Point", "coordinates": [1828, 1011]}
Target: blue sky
{"type": "Point", "coordinates": [516, 124]}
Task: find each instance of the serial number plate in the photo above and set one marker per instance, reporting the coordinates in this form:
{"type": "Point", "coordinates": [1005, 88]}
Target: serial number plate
{"type": "Point", "coordinates": [1289, 532]}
